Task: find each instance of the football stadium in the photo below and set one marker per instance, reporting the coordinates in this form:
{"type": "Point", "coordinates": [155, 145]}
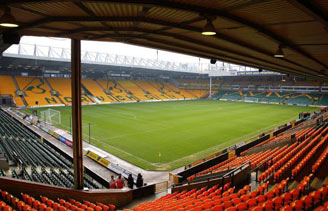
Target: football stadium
{"type": "Point", "coordinates": [164, 105]}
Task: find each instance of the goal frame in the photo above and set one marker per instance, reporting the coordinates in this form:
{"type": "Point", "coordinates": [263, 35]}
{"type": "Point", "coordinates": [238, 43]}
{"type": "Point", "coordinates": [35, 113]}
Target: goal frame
{"type": "Point", "coordinates": [49, 116]}
{"type": "Point", "coordinates": [251, 100]}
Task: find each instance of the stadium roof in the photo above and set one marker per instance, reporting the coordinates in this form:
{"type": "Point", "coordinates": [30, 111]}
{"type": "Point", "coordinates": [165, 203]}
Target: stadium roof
{"type": "Point", "coordinates": [248, 32]}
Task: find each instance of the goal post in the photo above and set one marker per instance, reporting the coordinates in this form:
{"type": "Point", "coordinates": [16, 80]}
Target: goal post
{"type": "Point", "coordinates": [51, 116]}
{"type": "Point", "coordinates": [251, 99]}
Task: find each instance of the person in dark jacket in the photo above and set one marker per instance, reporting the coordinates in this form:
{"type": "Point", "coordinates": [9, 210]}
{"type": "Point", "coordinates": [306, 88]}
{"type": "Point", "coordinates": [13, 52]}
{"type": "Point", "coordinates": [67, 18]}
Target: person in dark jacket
{"type": "Point", "coordinates": [130, 181]}
{"type": "Point", "coordinates": [139, 181]}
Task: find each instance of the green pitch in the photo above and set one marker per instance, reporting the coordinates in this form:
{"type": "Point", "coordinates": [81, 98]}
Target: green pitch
{"type": "Point", "coordinates": [182, 131]}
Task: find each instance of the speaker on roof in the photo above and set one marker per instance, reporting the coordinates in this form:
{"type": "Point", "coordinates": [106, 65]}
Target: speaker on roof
{"type": "Point", "coordinates": [213, 61]}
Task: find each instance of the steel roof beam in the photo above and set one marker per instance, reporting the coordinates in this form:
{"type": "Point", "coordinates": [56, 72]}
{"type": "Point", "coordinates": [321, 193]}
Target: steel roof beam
{"type": "Point", "coordinates": [178, 37]}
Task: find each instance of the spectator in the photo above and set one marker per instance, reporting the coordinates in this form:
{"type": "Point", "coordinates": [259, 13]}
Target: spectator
{"type": "Point", "coordinates": [139, 181]}
{"type": "Point", "coordinates": [112, 183]}
{"type": "Point", "coordinates": [130, 181]}
{"type": "Point", "coordinates": [119, 182]}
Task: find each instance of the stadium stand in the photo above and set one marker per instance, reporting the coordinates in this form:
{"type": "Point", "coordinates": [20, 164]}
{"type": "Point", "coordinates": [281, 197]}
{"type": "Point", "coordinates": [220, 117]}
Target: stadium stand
{"type": "Point", "coordinates": [9, 202]}
{"type": "Point", "coordinates": [54, 91]}
{"type": "Point", "coordinates": [304, 99]}
{"type": "Point", "coordinates": [134, 89]}
{"type": "Point", "coordinates": [7, 87]}
{"type": "Point", "coordinates": [33, 159]}
{"type": "Point", "coordinates": [218, 198]}
{"type": "Point", "coordinates": [152, 90]}
{"type": "Point", "coordinates": [300, 99]}
{"type": "Point", "coordinates": [96, 91]}
{"type": "Point", "coordinates": [36, 91]}
{"type": "Point", "coordinates": [62, 87]}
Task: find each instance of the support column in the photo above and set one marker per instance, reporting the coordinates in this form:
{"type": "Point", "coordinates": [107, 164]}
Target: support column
{"type": "Point", "coordinates": [210, 96]}
{"type": "Point", "coordinates": [76, 113]}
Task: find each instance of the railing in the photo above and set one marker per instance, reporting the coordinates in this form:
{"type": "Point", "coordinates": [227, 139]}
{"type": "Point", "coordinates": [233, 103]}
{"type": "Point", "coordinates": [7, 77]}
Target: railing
{"type": "Point", "coordinates": [32, 51]}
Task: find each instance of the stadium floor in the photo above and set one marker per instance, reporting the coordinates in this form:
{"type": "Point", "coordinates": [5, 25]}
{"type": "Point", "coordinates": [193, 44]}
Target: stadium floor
{"type": "Point", "coordinates": [168, 135]}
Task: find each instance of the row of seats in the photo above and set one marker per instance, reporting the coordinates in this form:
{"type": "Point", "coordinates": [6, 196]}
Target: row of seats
{"type": "Point", "coordinates": [302, 150]}
{"type": "Point", "coordinates": [308, 156]}
{"type": "Point", "coordinates": [51, 91]}
{"type": "Point", "coordinates": [254, 160]}
{"type": "Point", "coordinates": [276, 97]}
{"type": "Point", "coordinates": [25, 202]}
{"type": "Point", "coordinates": [277, 164]}
{"type": "Point", "coordinates": [217, 198]}
{"type": "Point", "coordinates": [35, 160]}
{"type": "Point", "coordinates": [320, 160]}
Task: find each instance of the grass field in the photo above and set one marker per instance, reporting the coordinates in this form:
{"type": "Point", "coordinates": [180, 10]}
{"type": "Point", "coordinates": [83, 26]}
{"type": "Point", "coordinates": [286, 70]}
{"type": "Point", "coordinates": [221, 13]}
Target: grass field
{"type": "Point", "coordinates": [183, 131]}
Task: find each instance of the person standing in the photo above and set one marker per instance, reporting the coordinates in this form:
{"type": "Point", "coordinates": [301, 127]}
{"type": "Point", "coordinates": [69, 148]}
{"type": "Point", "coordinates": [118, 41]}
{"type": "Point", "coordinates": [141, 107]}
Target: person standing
{"type": "Point", "coordinates": [112, 183]}
{"type": "Point", "coordinates": [130, 181]}
{"type": "Point", "coordinates": [119, 182]}
{"type": "Point", "coordinates": [139, 181]}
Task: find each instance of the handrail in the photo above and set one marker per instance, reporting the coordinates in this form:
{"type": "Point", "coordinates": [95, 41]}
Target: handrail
{"type": "Point", "coordinates": [33, 51]}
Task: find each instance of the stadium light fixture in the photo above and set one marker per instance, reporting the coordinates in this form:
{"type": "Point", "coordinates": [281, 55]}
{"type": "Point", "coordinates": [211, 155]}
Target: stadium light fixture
{"type": "Point", "coordinates": [283, 79]}
{"type": "Point", "coordinates": [322, 73]}
{"type": "Point", "coordinates": [279, 53]}
{"type": "Point", "coordinates": [208, 29]}
{"type": "Point", "coordinates": [8, 20]}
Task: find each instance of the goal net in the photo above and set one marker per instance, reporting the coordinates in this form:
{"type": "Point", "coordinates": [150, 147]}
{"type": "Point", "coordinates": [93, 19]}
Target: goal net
{"type": "Point", "coordinates": [251, 99]}
{"type": "Point", "coordinates": [51, 116]}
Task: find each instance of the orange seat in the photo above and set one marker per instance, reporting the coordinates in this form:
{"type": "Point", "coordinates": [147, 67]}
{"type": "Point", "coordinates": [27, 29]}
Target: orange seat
{"type": "Point", "coordinates": [241, 206]}
{"type": "Point", "coordinates": [236, 201]}
{"type": "Point", "coordinates": [74, 208]}
{"type": "Point", "coordinates": [84, 207]}
{"type": "Point", "coordinates": [30, 200]}
{"type": "Point", "coordinates": [295, 194]}
{"type": "Point", "coordinates": [42, 207]}
{"type": "Point", "coordinates": [62, 208]}
{"type": "Point", "coordinates": [307, 201]}
{"type": "Point", "coordinates": [257, 208]}
{"type": "Point", "coordinates": [43, 199]}
{"type": "Point", "coordinates": [254, 194]}
{"type": "Point", "coordinates": [55, 206]}
{"type": "Point", "coordinates": [36, 204]}
{"type": "Point", "coordinates": [112, 207]}
{"type": "Point", "coordinates": [67, 205]}
{"type": "Point", "coordinates": [297, 205]}
{"type": "Point", "coordinates": [287, 197]}
{"type": "Point", "coordinates": [268, 205]}
{"type": "Point", "coordinates": [7, 208]}
{"type": "Point", "coordinates": [78, 204]}
{"type": "Point", "coordinates": [19, 205]}
{"type": "Point", "coordinates": [260, 199]}
{"type": "Point", "coordinates": [72, 201]}
{"type": "Point", "coordinates": [218, 208]}
{"type": "Point", "coordinates": [227, 204]}
{"type": "Point", "coordinates": [92, 205]}
{"type": "Point", "coordinates": [97, 208]}
{"type": "Point", "coordinates": [287, 208]}
{"type": "Point", "coordinates": [61, 201]}
{"type": "Point", "coordinates": [231, 209]}
{"type": "Point", "coordinates": [26, 207]}
{"type": "Point", "coordinates": [252, 202]}
{"type": "Point", "coordinates": [245, 198]}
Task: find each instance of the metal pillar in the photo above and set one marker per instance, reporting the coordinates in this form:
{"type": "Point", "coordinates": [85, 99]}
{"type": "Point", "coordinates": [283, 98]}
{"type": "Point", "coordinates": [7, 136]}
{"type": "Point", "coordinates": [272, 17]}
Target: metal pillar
{"type": "Point", "coordinates": [210, 96]}
{"type": "Point", "coordinates": [76, 113]}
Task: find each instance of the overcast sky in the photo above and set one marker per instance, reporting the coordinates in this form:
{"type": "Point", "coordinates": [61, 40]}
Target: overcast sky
{"type": "Point", "coordinates": [114, 48]}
